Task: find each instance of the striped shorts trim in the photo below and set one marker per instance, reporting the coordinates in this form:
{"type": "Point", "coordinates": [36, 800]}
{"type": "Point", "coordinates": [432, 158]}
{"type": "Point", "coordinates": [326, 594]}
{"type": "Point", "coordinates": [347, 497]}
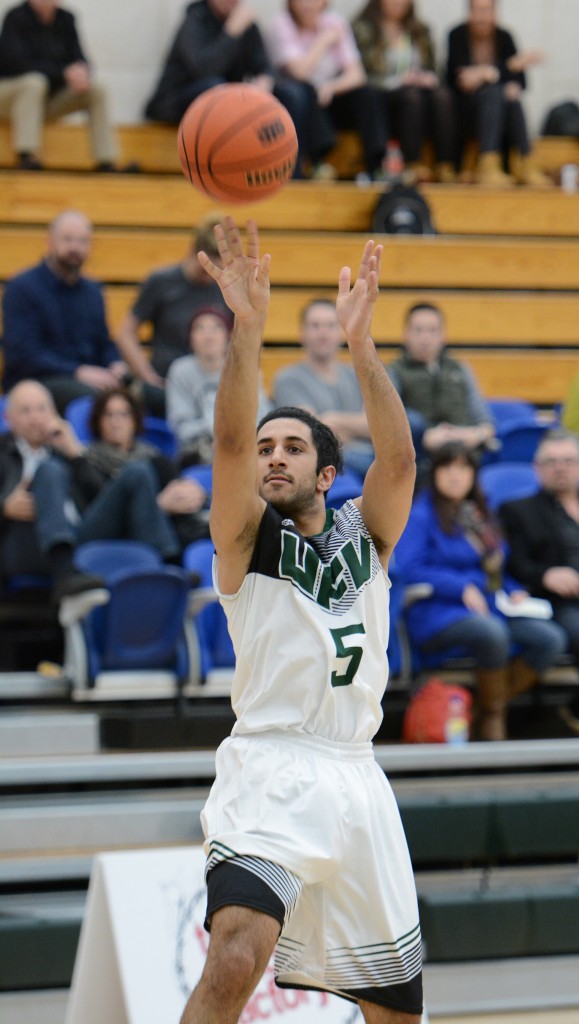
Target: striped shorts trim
{"type": "Point", "coordinates": [286, 886]}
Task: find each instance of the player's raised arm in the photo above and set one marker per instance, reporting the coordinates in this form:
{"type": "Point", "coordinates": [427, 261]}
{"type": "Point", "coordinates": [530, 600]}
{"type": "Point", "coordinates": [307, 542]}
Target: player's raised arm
{"type": "Point", "coordinates": [389, 482]}
{"type": "Point", "coordinates": [236, 506]}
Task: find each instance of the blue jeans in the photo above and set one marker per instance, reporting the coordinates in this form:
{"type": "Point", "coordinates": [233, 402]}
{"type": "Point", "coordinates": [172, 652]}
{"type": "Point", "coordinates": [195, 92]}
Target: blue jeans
{"type": "Point", "coordinates": [125, 509]}
{"type": "Point", "coordinates": [489, 640]}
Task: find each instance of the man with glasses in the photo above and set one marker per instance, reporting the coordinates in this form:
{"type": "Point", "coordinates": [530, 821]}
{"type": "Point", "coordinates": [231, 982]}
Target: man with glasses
{"type": "Point", "coordinates": [543, 536]}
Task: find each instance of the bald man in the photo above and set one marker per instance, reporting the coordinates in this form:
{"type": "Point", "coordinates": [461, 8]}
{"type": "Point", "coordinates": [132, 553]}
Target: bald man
{"type": "Point", "coordinates": [36, 536]}
{"type": "Point", "coordinates": [55, 329]}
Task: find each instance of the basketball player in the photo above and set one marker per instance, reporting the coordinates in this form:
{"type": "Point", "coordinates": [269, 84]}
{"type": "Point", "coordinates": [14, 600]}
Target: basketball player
{"type": "Point", "coordinates": [305, 846]}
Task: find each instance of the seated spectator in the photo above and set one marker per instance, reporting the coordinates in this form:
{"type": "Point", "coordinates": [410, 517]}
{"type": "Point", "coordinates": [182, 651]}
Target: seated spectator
{"type": "Point", "coordinates": [315, 47]}
{"type": "Point", "coordinates": [45, 75]}
{"type": "Point", "coordinates": [55, 494]}
{"type": "Point", "coordinates": [570, 414]}
{"type": "Point", "coordinates": [452, 544]}
{"type": "Point", "coordinates": [218, 41]}
{"type": "Point", "coordinates": [54, 320]}
{"type": "Point", "coordinates": [398, 56]}
{"type": "Point", "coordinates": [488, 75]}
{"type": "Point", "coordinates": [192, 386]}
{"type": "Point", "coordinates": [543, 535]}
{"type": "Point", "coordinates": [116, 422]}
{"type": "Point", "coordinates": [323, 385]}
{"type": "Point", "coordinates": [440, 394]}
{"type": "Point", "coordinates": [167, 300]}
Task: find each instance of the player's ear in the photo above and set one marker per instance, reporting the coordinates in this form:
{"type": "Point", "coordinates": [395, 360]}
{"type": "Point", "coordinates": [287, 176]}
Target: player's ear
{"type": "Point", "coordinates": [326, 477]}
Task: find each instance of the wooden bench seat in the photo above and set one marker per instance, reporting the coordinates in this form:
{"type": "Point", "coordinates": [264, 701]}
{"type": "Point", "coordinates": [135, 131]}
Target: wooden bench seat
{"type": "Point", "coordinates": [124, 255]}
{"type": "Point", "coordinates": [472, 317]}
{"type": "Point", "coordinates": [66, 147]}
{"type": "Point", "coordinates": [145, 201]}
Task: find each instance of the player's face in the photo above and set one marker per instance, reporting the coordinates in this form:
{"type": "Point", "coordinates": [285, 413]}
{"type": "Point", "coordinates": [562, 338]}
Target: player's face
{"type": "Point", "coordinates": [287, 461]}
{"type": "Point", "coordinates": [424, 336]}
{"type": "Point", "coordinates": [117, 423]}
{"type": "Point", "coordinates": [30, 413]}
{"type": "Point", "coordinates": [455, 480]}
{"type": "Point", "coordinates": [321, 333]}
{"type": "Point", "coordinates": [557, 466]}
{"type": "Point", "coordinates": [69, 243]}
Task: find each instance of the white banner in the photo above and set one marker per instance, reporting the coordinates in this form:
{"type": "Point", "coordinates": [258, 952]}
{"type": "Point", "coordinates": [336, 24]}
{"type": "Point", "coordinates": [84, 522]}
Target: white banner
{"type": "Point", "coordinates": [143, 945]}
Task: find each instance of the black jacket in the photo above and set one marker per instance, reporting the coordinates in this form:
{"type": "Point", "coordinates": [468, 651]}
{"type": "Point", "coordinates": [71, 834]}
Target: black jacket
{"type": "Point", "coordinates": [459, 55]}
{"type": "Point", "coordinates": [532, 528]}
{"type": "Point", "coordinates": [202, 49]}
{"type": "Point", "coordinates": [27, 44]}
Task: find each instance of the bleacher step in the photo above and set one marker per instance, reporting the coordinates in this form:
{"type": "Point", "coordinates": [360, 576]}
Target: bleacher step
{"type": "Point", "coordinates": [47, 733]}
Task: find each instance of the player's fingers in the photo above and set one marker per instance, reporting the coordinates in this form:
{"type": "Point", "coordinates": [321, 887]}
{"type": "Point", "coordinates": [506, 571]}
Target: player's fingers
{"type": "Point", "coordinates": [366, 256]}
{"type": "Point", "coordinates": [233, 237]}
{"type": "Point", "coordinates": [252, 240]}
{"type": "Point", "coordinates": [263, 270]}
{"type": "Point", "coordinates": [208, 265]}
{"type": "Point", "coordinates": [344, 281]}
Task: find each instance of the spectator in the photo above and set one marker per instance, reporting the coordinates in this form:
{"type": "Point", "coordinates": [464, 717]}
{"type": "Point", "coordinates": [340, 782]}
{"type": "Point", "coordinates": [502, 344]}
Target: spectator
{"type": "Point", "coordinates": [441, 397]}
{"type": "Point", "coordinates": [116, 422]}
{"type": "Point", "coordinates": [543, 534]}
{"type": "Point", "coordinates": [45, 75]}
{"type": "Point", "coordinates": [166, 303]}
{"type": "Point", "coordinates": [54, 320]}
{"type": "Point", "coordinates": [192, 385]}
{"type": "Point", "coordinates": [36, 536]}
{"type": "Point", "coordinates": [315, 47]}
{"type": "Point", "coordinates": [488, 76]}
{"type": "Point", "coordinates": [57, 494]}
{"type": "Point", "coordinates": [570, 415]}
{"type": "Point", "coordinates": [218, 41]}
{"type": "Point", "coordinates": [453, 545]}
{"type": "Point", "coordinates": [398, 56]}
{"type": "Point", "coordinates": [323, 385]}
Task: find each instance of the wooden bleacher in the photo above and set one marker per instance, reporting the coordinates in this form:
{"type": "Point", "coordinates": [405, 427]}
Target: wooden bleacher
{"type": "Point", "coordinates": [504, 265]}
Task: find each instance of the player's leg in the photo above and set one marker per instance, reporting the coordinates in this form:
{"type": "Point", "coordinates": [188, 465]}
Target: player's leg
{"type": "Point", "coordinates": [242, 941]}
{"type": "Point", "coordinates": [382, 1015]}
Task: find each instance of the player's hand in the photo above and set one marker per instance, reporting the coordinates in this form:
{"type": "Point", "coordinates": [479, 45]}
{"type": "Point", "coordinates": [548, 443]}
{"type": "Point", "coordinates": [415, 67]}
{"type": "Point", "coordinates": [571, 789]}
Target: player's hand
{"type": "Point", "coordinates": [242, 277]}
{"type": "Point", "coordinates": [61, 436]}
{"type": "Point", "coordinates": [355, 305]}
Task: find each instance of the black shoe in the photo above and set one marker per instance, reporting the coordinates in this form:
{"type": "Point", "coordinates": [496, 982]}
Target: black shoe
{"type": "Point", "coordinates": [106, 167]}
{"type": "Point", "coordinates": [75, 582]}
{"type": "Point", "coordinates": [27, 162]}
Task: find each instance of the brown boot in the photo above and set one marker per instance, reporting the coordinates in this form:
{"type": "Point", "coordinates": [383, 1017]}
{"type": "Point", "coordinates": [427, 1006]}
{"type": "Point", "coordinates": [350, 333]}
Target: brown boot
{"type": "Point", "coordinates": [526, 171]}
{"type": "Point", "coordinates": [445, 173]}
{"type": "Point", "coordinates": [492, 698]}
{"type": "Point", "coordinates": [522, 677]}
{"type": "Point", "coordinates": [489, 172]}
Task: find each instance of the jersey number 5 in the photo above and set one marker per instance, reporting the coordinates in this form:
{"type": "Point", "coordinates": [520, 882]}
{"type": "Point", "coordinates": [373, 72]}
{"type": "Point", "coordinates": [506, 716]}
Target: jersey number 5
{"type": "Point", "coordinates": [350, 651]}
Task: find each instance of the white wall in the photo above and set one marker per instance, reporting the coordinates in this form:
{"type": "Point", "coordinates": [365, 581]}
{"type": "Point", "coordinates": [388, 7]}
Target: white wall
{"type": "Point", "coordinates": [127, 40]}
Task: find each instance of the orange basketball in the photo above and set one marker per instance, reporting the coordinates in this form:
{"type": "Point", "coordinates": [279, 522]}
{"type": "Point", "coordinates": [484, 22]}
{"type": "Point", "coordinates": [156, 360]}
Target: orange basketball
{"type": "Point", "coordinates": [237, 143]}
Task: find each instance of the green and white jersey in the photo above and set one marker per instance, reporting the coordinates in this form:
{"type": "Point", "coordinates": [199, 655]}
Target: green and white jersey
{"type": "Point", "coordinates": [309, 626]}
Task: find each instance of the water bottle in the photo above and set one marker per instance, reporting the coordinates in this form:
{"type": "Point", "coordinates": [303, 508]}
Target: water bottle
{"type": "Point", "coordinates": [393, 161]}
{"type": "Point", "coordinates": [456, 725]}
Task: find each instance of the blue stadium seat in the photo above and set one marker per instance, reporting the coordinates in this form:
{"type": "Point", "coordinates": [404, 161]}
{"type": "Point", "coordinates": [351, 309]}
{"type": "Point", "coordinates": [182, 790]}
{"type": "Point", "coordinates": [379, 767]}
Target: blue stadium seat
{"type": "Point", "coordinates": [138, 640]}
{"type": "Point", "coordinates": [507, 481]}
{"type": "Point", "coordinates": [155, 430]}
{"type": "Point", "coordinates": [346, 485]}
{"type": "Point", "coordinates": [202, 474]}
{"type": "Point", "coordinates": [216, 649]}
{"type": "Point", "coordinates": [519, 441]}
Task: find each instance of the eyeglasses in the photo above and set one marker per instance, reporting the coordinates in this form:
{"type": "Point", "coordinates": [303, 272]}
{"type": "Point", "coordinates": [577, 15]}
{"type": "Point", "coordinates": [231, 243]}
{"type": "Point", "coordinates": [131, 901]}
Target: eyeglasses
{"type": "Point", "coordinates": [564, 460]}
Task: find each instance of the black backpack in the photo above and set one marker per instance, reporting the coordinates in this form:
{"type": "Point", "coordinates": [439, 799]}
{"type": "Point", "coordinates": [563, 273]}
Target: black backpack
{"type": "Point", "coordinates": [402, 210]}
{"type": "Point", "coordinates": [562, 120]}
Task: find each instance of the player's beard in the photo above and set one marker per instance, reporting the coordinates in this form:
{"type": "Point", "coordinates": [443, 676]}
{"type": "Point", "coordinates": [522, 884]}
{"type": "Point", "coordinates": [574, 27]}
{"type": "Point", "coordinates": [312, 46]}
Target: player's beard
{"type": "Point", "coordinates": [298, 502]}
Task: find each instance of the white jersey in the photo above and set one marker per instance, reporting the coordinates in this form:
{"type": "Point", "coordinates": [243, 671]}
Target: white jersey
{"type": "Point", "coordinates": [309, 627]}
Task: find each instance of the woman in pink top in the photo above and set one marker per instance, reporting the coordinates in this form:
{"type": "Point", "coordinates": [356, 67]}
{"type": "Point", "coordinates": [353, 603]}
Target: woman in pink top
{"type": "Point", "coordinates": [315, 46]}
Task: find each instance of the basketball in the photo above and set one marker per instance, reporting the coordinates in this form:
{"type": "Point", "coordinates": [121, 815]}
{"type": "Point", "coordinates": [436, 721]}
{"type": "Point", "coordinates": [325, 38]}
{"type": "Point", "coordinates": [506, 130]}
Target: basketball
{"type": "Point", "coordinates": [237, 143]}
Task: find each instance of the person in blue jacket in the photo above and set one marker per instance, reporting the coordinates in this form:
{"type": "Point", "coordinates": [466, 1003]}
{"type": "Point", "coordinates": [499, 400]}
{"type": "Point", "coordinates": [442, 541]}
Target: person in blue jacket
{"type": "Point", "coordinates": [454, 546]}
{"type": "Point", "coordinates": [55, 329]}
